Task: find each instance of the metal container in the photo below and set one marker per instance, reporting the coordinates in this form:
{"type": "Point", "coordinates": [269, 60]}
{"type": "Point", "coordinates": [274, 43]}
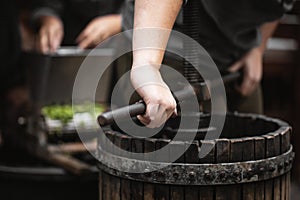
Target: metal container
{"type": "Point", "coordinates": [51, 77]}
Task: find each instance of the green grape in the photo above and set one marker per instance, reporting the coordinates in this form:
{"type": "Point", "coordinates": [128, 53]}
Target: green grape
{"type": "Point", "coordinates": [65, 113]}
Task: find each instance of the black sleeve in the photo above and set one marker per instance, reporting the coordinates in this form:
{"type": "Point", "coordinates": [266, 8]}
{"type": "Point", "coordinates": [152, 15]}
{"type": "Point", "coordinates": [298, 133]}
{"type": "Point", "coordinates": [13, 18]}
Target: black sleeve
{"type": "Point", "coordinates": [118, 4]}
{"type": "Point", "coordinates": [10, 43]}
{"type": "Point", "coordinates": [46, 8]}
{"type": "Point", "coordinates": [287, 4]}
{"type": "Point", "coordinates": [127, 13]}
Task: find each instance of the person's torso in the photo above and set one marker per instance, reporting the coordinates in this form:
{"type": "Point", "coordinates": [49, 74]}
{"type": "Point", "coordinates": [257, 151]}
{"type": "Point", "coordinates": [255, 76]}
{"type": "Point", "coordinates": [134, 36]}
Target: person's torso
{"type": "Point", "coordinates": [227, 28]}
{"type": "Point", "coordinates": [88, 9]}
{"type": "Point", "coordinates": [234, 26]}
{"type": "Point", "coordinates": [78, 13]}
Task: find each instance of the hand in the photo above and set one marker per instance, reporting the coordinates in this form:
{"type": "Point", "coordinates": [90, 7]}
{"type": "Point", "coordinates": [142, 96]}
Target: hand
{"type": "Point", "coordinates": [160, 103]}
{"type": "Point", "coordinates": [98, 30]}
{"type": "Point", "coordinates": [252, 71]}
{"type": "Point", "coordinates": [50, 34]}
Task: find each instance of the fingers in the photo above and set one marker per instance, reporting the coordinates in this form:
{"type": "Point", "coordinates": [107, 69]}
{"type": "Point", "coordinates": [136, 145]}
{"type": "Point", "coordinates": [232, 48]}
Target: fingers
{"type": "Point", "coordinates": [248, 86]}
{"type": "Point", "coordinates": [160, 103]}
{"type": "Point", "coordinates": [90, 40]}
{"type": "Point", "coordinates": [98, 30]}
{"type": "Point", "coordinates": [143, 119]}
{"type": "Point", "coordinates": [84, 34]}
{"type": "Point", "coordinates": [55, 38]}
{"type": "Point", "coordinates": [236, 66]}
{"type": "Point", "coordinates": [43, 42]}
{"type": "Point", "coordinates": [249, 83]}
{"type": "Point", "coordinates": [252, 76]}
{"type": "Point", "coordinates": [157, 114]}
{"type": "Point", "coordinates": [251, 64]}
{"type": "Point", "coordinates": [49, 40]}
{"type": "Point", "coordinates": [92, 36]}
{"type": "Point", "coordinates": [50, 34]}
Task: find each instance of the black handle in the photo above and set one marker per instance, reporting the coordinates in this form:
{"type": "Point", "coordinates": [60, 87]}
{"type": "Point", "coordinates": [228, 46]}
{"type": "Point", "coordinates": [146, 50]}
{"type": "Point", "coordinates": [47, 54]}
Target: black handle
{"type": "Point", "coordinates": [231, 76]}
{"type": "Point", "coordinates": [107, 118]}
{"type": "Point", "coordinates": [139, 108]}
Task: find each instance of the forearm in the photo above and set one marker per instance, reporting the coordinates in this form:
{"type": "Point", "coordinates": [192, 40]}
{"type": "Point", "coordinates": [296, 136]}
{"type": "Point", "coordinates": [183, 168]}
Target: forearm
{"type": "Point", "coordinates": [160, 17]}
{"type": "Point", "coordinates": [252, 61]}
{"type": "Point", "coordinates": [267, 31]}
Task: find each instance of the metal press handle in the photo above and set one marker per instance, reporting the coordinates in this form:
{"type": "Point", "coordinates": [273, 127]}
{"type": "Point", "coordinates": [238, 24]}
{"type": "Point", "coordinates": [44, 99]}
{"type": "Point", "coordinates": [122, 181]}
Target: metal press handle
{"type": "Point", "coordinates": [231, 77]}
{"type": "Point", "coordinates": [139, 108]}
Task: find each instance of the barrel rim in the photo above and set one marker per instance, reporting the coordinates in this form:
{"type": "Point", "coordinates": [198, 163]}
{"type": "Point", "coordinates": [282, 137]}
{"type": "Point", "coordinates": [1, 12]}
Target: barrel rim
{"type": "Point", "coordinates": [201, 174]}
{"type": "Point", "coordinates": [282, 127]}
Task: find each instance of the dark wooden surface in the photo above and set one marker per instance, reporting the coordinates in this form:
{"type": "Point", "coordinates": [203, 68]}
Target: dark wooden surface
{"type": "Point", "coordinates": [225, 151]}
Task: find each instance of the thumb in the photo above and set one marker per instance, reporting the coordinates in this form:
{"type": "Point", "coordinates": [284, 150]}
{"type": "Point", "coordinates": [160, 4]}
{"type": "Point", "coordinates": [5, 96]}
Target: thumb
{"type": "Point", "coordinates": [236, 66]}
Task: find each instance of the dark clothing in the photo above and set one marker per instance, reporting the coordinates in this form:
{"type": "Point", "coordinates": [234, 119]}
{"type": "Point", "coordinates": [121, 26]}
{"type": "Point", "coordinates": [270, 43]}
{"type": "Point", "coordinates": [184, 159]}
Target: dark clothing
{"type": "Point", "coordinates": [75, 14]}
{"type": "Point", "coordinates": [10, 43]}
{"type": "Point", "coordinates": [127, 12]}
{"type": "Point", "coordinates": [9, 50]}
{"type": "Point", "coordinates": [227, 28]}
{"type": "Point", "coordinates": [234, 30]}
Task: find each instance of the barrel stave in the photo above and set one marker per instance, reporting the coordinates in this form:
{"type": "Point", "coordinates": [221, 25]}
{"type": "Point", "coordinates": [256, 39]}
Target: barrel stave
{"type": "Point", "coordinates": [273, 142]}
{"type": "Point", "coordinates": [260, 153]}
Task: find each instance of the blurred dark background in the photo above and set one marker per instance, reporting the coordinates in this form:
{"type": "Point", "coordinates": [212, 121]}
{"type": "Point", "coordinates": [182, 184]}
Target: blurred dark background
{"type": "Point", "coordinates": [281, 77]}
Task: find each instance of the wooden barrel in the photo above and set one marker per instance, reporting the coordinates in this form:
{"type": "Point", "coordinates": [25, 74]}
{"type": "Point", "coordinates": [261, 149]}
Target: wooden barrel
{"type": "Point", "coordinates": [251, 160]}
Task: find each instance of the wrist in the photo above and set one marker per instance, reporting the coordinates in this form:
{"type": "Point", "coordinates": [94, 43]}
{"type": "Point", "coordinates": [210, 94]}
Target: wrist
{"type": "Point", "coordinates": [258, 50]}
{"type": "Point", "coordinates": [45, 19]}
{"type": "Point", "coordinates": [146, 75]}
{"type": "Point", "coordinates": [148, 57]}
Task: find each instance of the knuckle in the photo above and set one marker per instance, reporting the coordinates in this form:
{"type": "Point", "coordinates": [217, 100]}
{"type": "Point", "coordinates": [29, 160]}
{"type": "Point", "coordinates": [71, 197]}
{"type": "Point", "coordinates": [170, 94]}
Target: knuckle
{"type": "Point", "coordinates": [254, 78]}
{"type": "Point", "coordinates": [94, 42]}
{"type": "Point", "coordinates": [157, 100]}
{"type": "Point", "coordinates": [170, 107]}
